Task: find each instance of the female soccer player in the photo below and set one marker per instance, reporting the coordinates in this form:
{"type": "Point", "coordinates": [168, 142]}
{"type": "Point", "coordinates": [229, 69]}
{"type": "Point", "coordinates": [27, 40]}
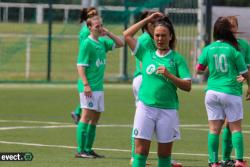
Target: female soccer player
{"type": "Point", "coordinates": [146, 39]}
{"type": "Point", "coordinates": [223, 93]}
{"type": "Point", "coordinates": [85, 13]}
{"type": "Point", "coordinates": [91, 65]}
{"type": "Point", "coordinates": [163, 71]}
{"type": "Point", "coordinates": [226, 133]}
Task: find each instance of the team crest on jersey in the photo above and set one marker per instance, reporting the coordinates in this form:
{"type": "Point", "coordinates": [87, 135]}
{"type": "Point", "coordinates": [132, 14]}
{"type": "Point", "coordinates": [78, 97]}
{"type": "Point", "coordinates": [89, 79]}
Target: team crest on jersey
{"type": "Point", "coordinates": [171, 62]}
{"type": "Point", "coordinates": [150, 69]}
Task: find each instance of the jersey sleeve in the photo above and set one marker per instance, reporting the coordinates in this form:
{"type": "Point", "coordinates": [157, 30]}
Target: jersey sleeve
{"type": "Point", "coordinates": [139, 51]}
{"type": "Point", "coordinates": [203, 58]}
{"type": "Point", "coordinates": [240, 63]}
{"type": "Point", "coordinates": [183, 70]}
{"type": "Point", "coordinates": [83, 54]}
{"type": "Point", "coordinates": [109, 44]}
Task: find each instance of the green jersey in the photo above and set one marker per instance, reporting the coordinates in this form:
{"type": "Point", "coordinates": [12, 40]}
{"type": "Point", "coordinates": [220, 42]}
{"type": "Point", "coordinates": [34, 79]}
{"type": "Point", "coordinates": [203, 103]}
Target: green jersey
{"type": "Point", "coordinates": [84, 33]}
{"type": "Point", "coordinates": [245, 50]}
{"type": "Point", "coordinates": [156, 90]}
{"type": "Point", "coordinates": [225, 63]}
{"type": "Point", "coordinates": [146, 40]}
{"type": "Point", "coordinates": [92, 55]}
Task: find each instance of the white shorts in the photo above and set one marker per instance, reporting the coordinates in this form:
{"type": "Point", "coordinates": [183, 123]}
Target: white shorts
{"type": "Point", "coordinates": [95, 102]}
{"type": "Point", "coordinates": [221, 105]}
{"type": "Point", "coordinates": [136, 86]}
{"type": "Point", "coordinates": [164, 122]}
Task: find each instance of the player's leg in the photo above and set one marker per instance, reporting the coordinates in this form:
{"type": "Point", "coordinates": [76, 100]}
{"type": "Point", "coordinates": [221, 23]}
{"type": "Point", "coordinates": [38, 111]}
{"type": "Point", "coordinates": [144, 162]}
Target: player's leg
{"type": "Point", "coordinates": [234, 113]}
{"type": "Point", "coordinates": [164, 154]}
{"type": "Point", "coordinates": [98, 106]}
{"type": "Point", "coordinates": [76, 114]}
{"type": "Point", "coordinates": [167, 131]}
{"type": "Point", "coordinates": [136, 86]}
{"type": "Point", "coordinates": [141, 152]}
{"type": "Point", "coordinates": [227, 146]}
{"type": "Point", "coordinates": [216, 118]}
{"type": "Point", "coordinates": [143, 131]}
{"type": "Point", "coordinates": [81, 134]}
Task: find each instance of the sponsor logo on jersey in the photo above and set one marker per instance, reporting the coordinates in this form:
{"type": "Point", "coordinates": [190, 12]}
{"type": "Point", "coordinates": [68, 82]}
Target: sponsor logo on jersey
{"type": "Point", "coordinates": [100, 62]}
{"type": "Point", "coordinates": [150, 69]}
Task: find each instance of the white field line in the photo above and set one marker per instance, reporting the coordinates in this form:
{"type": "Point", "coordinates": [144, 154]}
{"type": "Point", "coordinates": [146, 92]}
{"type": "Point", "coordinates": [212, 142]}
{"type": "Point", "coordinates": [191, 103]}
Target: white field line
{"type": "Point", "coordinates": [102, 149]}
{"type": "Point", "coordinates": [35, 122]}
{"type": "Point", "coordinates": [198, 127]}
{"type": "Point", "coordinates": [111, 125]}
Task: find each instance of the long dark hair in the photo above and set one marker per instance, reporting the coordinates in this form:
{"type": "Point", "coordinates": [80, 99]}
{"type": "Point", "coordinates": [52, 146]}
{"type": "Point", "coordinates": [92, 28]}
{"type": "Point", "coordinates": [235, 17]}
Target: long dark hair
{"type": "Point", "coordinates": [223, 31]}
{"type": "Point", "coordinates": [166, 22]}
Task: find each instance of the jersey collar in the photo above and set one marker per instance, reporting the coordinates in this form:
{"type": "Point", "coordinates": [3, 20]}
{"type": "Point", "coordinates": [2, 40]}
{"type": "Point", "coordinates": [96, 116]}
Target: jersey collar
{"type": "Point", "coordinates": [158, 54]}
{"type": "Point", "coordinates": [93, 39]}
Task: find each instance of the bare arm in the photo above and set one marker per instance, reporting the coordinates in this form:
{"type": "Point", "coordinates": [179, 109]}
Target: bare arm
{"type": "Point", "coordinates": [131, 31]}
{"type": "Point", "coordinates": [180, 83]}
{"type": "Point", "coordinates": [82, 74]}
{"type": "Point", "coordinates": [119, 43]}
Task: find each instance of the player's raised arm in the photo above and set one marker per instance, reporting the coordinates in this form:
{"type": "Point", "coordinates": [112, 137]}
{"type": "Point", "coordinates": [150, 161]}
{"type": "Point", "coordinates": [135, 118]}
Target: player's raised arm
{"type": "Point", "coordinates": [131, 31]}
{"type": "Point", "coordinates": [119, 43]}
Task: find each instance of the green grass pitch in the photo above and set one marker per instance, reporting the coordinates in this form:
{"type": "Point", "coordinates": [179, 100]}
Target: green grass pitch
{"type": "Point", "coordinates": [36, 118]}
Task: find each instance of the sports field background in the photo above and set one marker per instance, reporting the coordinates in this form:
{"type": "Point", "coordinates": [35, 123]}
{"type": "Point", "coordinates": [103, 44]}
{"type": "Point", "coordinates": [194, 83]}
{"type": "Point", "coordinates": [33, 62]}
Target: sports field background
{"type": "Point", "coordinates": [36, 118]}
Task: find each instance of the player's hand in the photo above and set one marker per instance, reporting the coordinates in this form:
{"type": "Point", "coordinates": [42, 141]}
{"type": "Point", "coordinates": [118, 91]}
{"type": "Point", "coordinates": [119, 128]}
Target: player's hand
{"type": "Point", "coordinates": [104, 31]}
{"type": "Point", "coordinates": [87, 91]}
{"type": "Point", "coordinates": [240, 78]}
{"type": "Point", "coordinates": [248, 94]}
{"type": "Point", "coordinates": [163, 70]}
{"type": "Point", "coordinates": [154, 16]}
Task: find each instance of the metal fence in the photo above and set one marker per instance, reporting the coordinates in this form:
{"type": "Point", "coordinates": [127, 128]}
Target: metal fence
{"type": "Point", "coordinates": [24, 39]}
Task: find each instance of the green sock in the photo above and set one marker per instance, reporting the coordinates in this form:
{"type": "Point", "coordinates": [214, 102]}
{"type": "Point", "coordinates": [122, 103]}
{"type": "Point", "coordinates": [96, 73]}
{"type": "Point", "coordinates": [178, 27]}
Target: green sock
{"type": "Point", "coordinates": [226, 144]}
{"type": "Point", "coordinates": [139, 160]}
{"type": "Point", "coordinates": [238, 144]}
{"type": "Point", "coordinates": [213, 146]}
{"type": "Point", "coordinates": [90, 137]}
{"type": "Point", "coordinates": [78, 110]}
{"type": "Point", "coordinates": [164, 161]}
{"type": "Point", "coordinates": [81, 132]}
{"type": "Point", "coordinates": [132, 145]}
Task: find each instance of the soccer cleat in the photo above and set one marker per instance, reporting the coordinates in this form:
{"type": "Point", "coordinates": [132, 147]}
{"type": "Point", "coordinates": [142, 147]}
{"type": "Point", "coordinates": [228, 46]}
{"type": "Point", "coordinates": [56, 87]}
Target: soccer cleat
{"type": "Point", "coordinates": [75, 117]}
{"type": "Point", "coordinates": [95, 154]}
{"type": "Point", "coordinates": [216, 165]}
{"type": "Point", "coordinates": [240, 163]}
{"type": "Point", "coordinates": [227, 163]}
{"type": "Point", "coordinates": [175, 163]}
{"type": "Point", "coordinates": [84, 155]}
